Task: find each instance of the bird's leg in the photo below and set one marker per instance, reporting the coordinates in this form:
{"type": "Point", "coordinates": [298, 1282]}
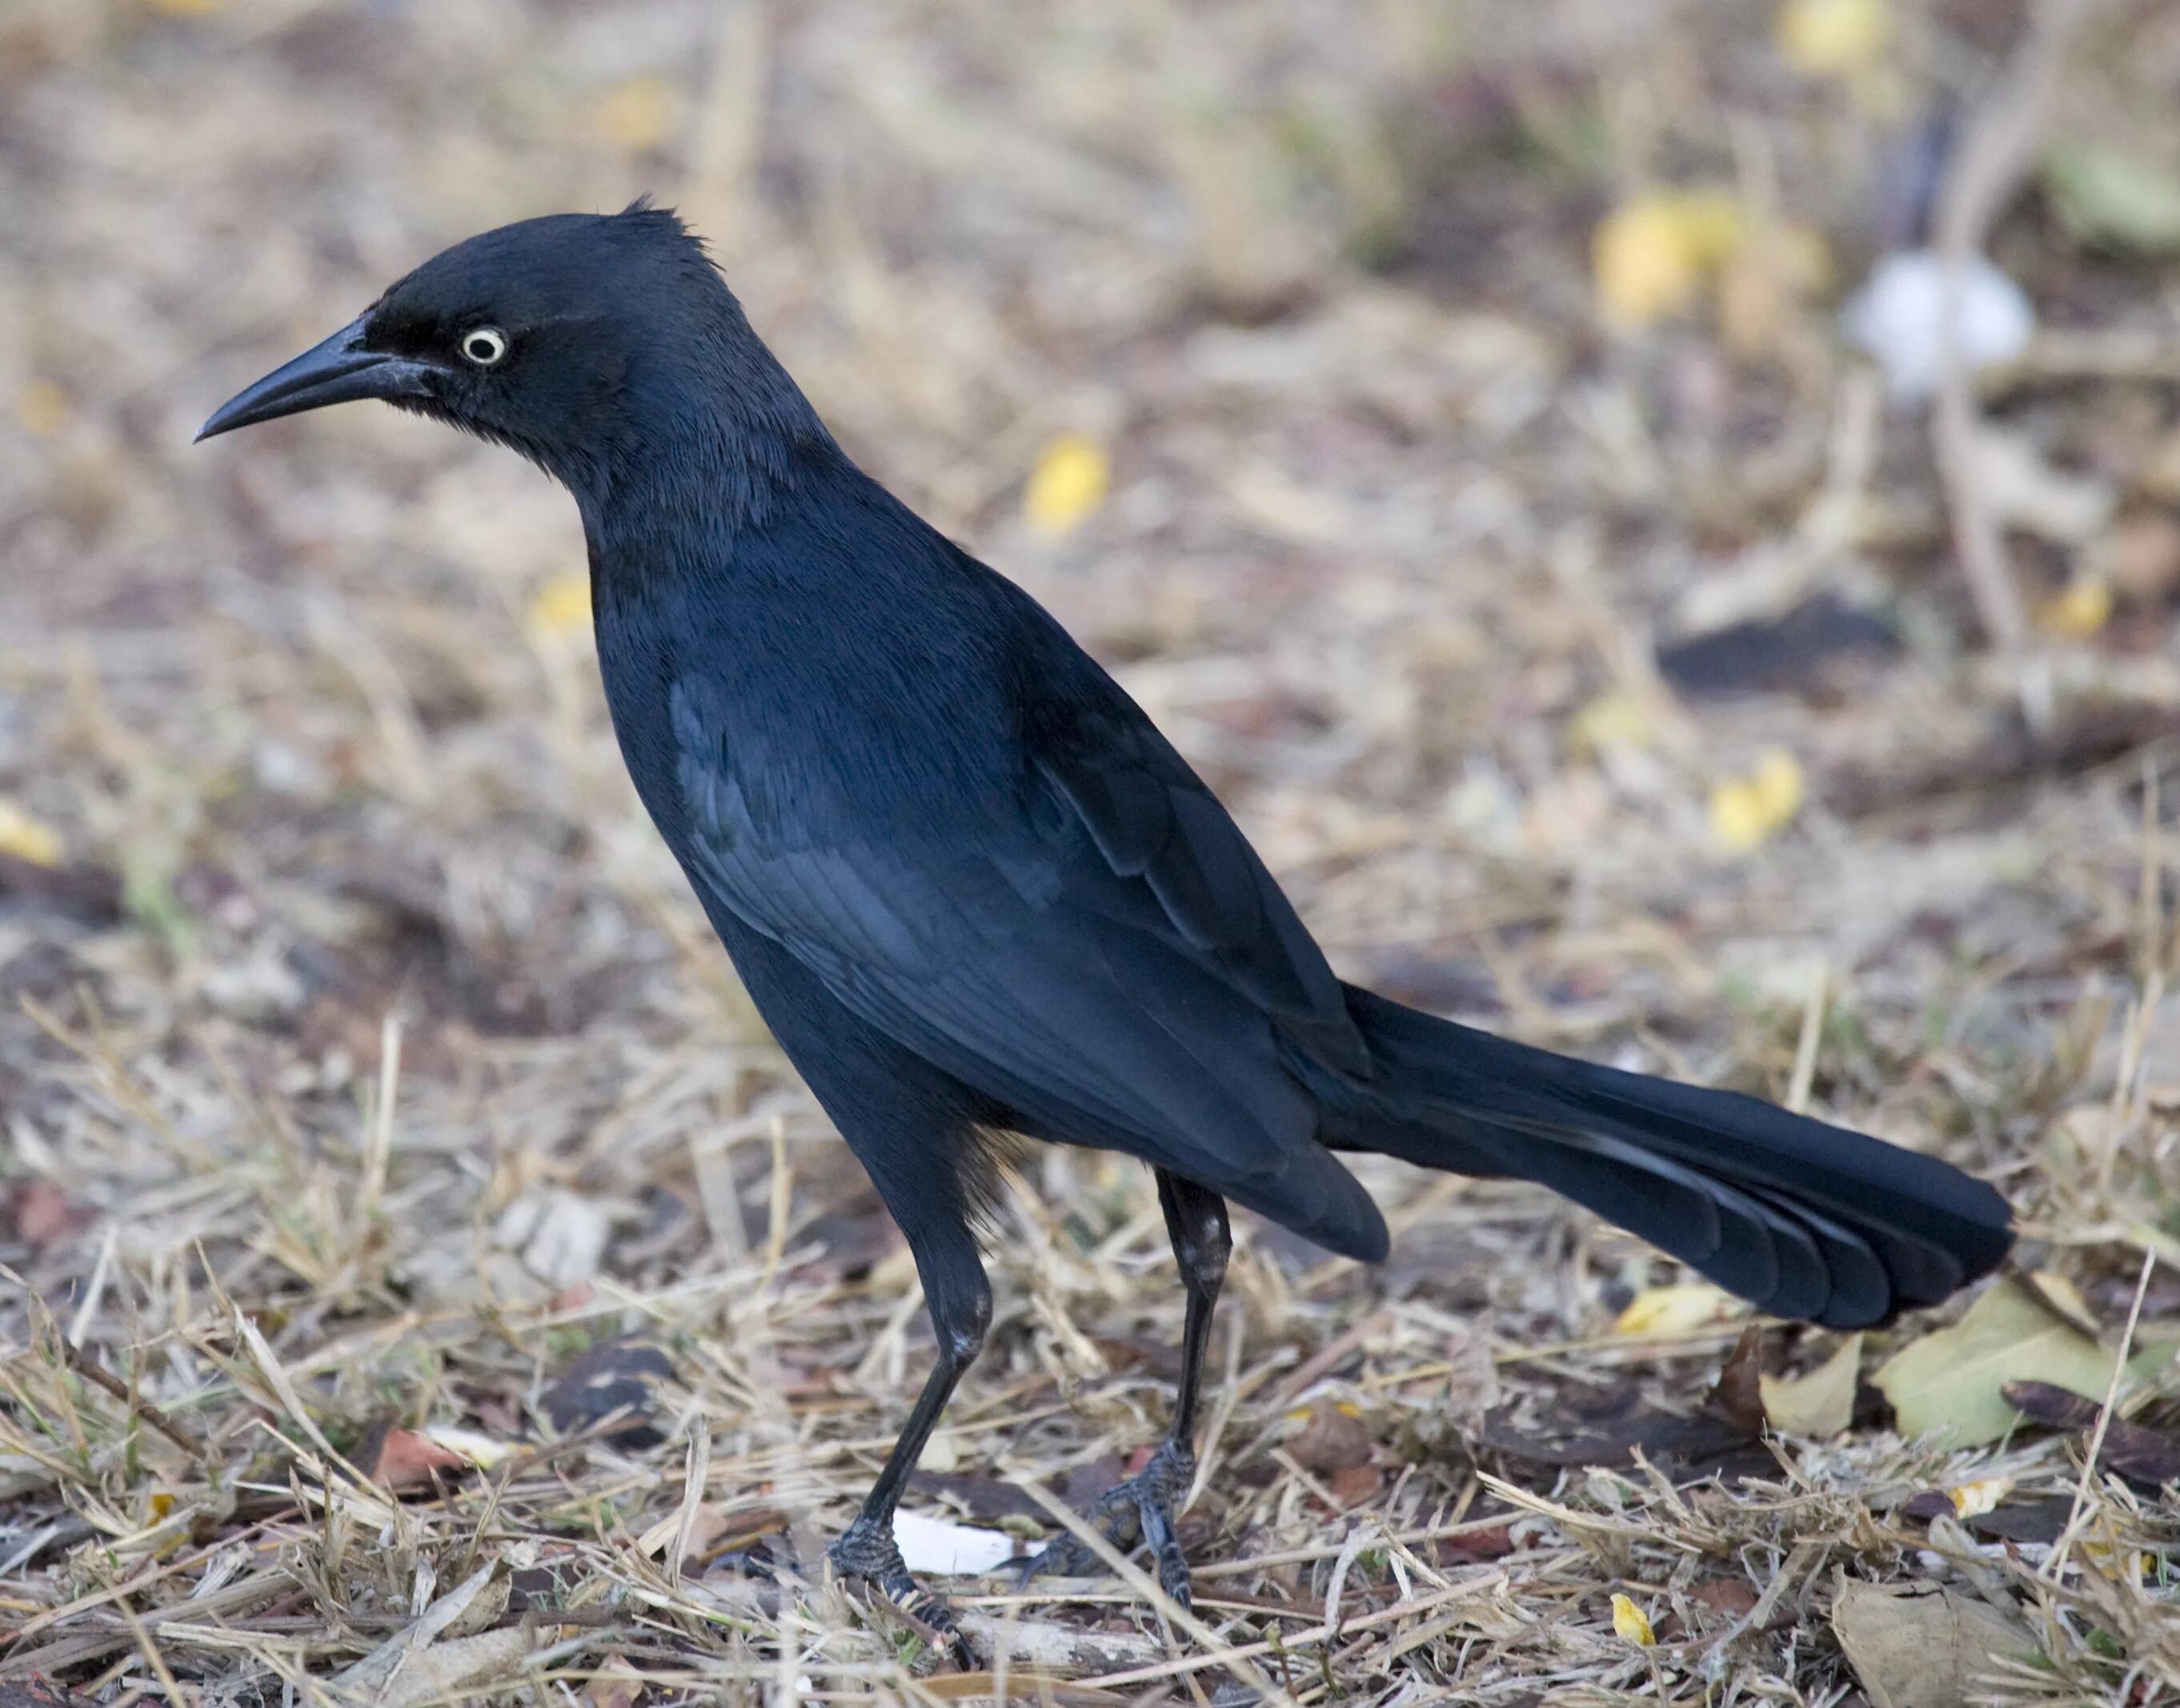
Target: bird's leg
{"type": "Point", "coordinates": [1143, 1509]}
{"type": "Point", "coordinates": [959, 1301]}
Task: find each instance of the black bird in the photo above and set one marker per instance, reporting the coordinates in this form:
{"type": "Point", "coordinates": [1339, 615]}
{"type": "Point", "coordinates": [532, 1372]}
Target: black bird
{"type": "Point", "coordinates": [977, 895]}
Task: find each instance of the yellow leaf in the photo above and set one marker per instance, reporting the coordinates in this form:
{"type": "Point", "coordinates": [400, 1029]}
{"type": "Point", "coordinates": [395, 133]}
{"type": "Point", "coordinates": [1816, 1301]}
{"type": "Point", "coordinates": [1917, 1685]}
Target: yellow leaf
{"type": "Point", "coordinates": [29, 839]}
{"type": "Point", "coordinates": [474, 1445]}
{"type": "Point", "coordinates": [2121, 1565]}
{"type": "Point", "coordinates": [1628, 1620]}
{"type": "Point", "coordinates": [1745, 812]}
{"type": "Point", "coordinates": [1678, 1309]}
{"type": "Point", "coordinates": [1617, 717]}
{"type": "Point", "coordinates": [1833, 38]}
{"type": "Point", "coordinates": [560, 607]}
{"type": "Point", "coordinates": [1651, 255]}
{"type": "Point", "coordinates": [639, 113]}
{"type": "Point", "coordinates": [1821, 1404]}
{"type": "Point", "coordinates": [1973, 1500]}
{"type": "Point", "coordinates": [1070, 481]}
{"type": "Point", "coordinates": [42, 408]}
{"type": "Point", "coordinates": [161, 1503]}
{"type": "Point", "coordinates": [1949, 1385]}
{"type": "Point", "coordinates": [2078, 612]}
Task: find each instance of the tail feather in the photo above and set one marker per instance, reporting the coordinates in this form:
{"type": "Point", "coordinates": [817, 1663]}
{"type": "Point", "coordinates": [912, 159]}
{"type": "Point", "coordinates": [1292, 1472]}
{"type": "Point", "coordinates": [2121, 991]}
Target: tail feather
{"type": "Point", "coordinates": [1806, 1220]}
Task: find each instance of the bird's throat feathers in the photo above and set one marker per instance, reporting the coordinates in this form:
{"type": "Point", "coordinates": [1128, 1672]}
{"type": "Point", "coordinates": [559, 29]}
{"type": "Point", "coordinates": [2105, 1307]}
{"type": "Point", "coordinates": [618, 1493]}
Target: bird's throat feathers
{"type": "Point", "coordinates": [699, 452]}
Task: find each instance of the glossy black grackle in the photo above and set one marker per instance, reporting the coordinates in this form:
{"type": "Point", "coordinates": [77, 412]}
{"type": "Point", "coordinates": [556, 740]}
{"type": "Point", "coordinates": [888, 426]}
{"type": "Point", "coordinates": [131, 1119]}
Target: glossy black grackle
{"type": "Point", "coordinates": [975, 893]}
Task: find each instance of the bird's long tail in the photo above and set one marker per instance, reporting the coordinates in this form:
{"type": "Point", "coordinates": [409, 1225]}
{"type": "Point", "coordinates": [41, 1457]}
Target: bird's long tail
{"type": "Point", "coordinates": [1806, 1220]}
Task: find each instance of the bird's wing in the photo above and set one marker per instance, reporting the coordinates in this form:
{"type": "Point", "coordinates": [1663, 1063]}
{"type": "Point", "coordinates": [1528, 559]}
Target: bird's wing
{"type": "Point", "coordinates": [1160, 831]}
{"type": "Point", "coordinates": [1092, 945]}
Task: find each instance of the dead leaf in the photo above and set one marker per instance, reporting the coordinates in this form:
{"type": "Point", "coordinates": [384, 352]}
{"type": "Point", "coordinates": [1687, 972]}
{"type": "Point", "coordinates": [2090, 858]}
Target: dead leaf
{"type": "Point", "coordinates": [1665, 1312]}
{"type": "Point", "coordinates": [408, 1457]}
{"type": "Point", "coordinates": [1632, 1623]}
{"type": "Point", "coordinates": [455, 1667]}
{"type": "Point", "coordinates": [42, 1213]}
{"type": "Point", "coordinates": [1652, 254]}
{"type": "Point", "coordinates": [1494, 1543]}
{"type": "Point", "coordinates": [1731, 1596]}
{"type": "Point", "coordinates": [1334, 1440]}
{"type": "Point", "coordinates": [1660, 1436]}
{"type": "Point", "coordinates": [1354, 1484]}
{"type": "Point", "coordinates": [1738, 1396]}
{"type": "Point", "coordinates": [1023, 1685]}
{"type": "Point", "coordinates": [1918, 1645]}
{"type": "Point", "coordinates": [1949, 1386]}
{"type": "Point", "coordinates": [2145, 1456]}
{"type": "Point", "coordinates": [1070, 480]}
{"type": "Point", "coordinates": [1974, 1500]}
{"type": "Point", "coordinates": [38, 1691]}
{"type": "Point", "coordinates": [1821, 1404]}
{"type": "Point", "coordinates": [1834, 38]}
{"type": "Point", "coordinates": [1472, 1385]}
{"type": "Point", "coordinates": [611, 1376]}
{"type": "Point", "coordinates": [29, 838]}
{"type": "Point", "coordinates": [1747, 812]}
{"type": "Point", "coordinates": [616, 1684]}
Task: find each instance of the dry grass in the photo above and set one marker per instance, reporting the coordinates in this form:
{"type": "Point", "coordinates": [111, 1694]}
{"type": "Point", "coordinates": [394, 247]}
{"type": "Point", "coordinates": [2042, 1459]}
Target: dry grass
{"type": "Point", "coordinates": [1390, 512]}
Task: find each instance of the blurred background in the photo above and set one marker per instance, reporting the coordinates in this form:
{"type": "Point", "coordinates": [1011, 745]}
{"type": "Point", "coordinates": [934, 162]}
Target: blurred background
{"type": "Point", "coordinates": [1662, 518]}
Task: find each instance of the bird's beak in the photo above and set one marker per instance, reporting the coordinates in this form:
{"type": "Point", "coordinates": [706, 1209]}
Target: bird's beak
{"type": "Point", "coordinates": [339, 371]}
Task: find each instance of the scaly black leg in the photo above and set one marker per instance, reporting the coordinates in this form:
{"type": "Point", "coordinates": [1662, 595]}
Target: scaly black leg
{"type": "Point", "coordinates": [914, 1129]}
{"type": "Point", "coordinates": [1143, 1508]}
{"type": "Point", "coordinates": [959, 1301]}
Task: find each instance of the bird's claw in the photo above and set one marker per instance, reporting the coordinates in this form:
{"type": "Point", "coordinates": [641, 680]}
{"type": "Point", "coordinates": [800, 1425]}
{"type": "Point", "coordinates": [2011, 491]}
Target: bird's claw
{"type": "Point", "coordinates": [867, 1550]}
{"type": "Point", "coordinates": [1139, 1511]}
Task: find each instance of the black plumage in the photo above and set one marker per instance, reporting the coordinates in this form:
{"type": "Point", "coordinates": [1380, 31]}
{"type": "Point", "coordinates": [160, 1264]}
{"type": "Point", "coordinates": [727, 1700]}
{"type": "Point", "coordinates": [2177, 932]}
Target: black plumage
{"type": "Point", "coordinates": [973, 891]}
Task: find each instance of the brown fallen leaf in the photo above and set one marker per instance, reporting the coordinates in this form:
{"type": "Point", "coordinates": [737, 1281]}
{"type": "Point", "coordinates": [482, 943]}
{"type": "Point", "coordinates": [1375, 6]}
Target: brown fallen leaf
{"type": "Point", "coordinates": [1023, 1685]}
{"type": "Point", "coordinates": [42, 1213]}
{"type": "Point", "coordinates": [408, 1457]}
{"type": "Point", "coordinates": [1738, 1396]}
{"type": "Point", "coordinates": [1657, 1436]}
{"type": "Point", "coordinates": [1352, 1485]}
{"type": "Point", "coordinates": [1493, 1544]}
{"type": "Point", "coordinates": [38, 1691]}
{"type": "Point", "coordinates": [616, 1684]}
{"type": "Point", "coordinates": [1919, 1646]}
{"type": "Point", "coordinates": [2141, 1455]}
{"type": "Point", "coordinates": [1333, 1441]}
{"type": "Point", "coordinates": [1731, 1596]}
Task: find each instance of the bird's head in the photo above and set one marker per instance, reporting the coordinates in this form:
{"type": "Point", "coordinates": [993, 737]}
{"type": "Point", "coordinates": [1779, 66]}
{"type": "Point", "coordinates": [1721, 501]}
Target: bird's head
{"type": "Point", "coordinates": [554, 336]}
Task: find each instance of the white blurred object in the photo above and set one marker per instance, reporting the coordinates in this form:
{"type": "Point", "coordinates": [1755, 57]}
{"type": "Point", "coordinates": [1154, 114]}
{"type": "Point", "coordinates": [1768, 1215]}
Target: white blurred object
{"type": "Point", "coordinates": [562, 1238]}
{"type": "Point", "coordinates": [1899, 316]}
{"type": "Point", "coordinates": [949, 1550]}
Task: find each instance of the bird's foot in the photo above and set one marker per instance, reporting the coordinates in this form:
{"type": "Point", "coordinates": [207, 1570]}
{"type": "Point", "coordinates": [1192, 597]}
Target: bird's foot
{"type": "Point", "coordinates": [1140, 1511]}
{"type": "Point", "coordinates": [866, 1549]}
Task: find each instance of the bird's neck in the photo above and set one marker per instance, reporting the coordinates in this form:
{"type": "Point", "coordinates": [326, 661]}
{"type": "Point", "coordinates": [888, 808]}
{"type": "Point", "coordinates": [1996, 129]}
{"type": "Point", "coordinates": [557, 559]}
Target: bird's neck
{"type": "Point", "coordinates": [708, 458]}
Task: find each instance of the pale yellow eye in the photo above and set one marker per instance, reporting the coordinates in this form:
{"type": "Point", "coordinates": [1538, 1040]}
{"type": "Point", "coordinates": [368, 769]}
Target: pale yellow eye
{"type": "Point", "coordinates": [485, 346]}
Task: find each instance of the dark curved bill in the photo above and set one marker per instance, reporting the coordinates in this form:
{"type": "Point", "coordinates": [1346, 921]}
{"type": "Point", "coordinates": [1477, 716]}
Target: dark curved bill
{"type": "Point", "coordinates": [339, 371]}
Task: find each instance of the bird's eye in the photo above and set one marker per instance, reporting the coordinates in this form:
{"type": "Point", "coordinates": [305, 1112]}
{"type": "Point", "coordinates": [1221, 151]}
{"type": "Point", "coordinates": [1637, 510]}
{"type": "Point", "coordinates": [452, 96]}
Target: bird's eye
{"type": "Point", "coordinates": [484, 346]}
